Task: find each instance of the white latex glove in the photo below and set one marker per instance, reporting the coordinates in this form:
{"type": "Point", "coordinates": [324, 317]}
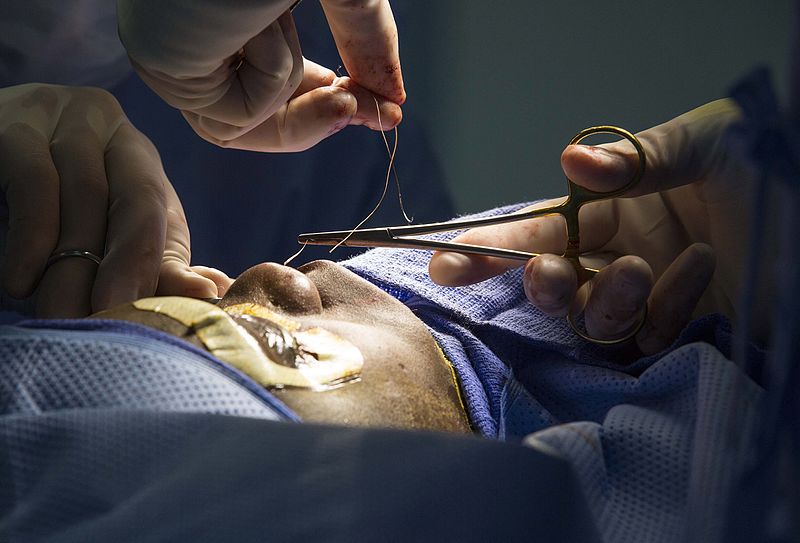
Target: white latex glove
{"type": "Point", "coordinates": [235, 69]}
{"type": "Point", "coordinates": [78, 176]}
{"type": "Point", "coordinates": [691, 208]}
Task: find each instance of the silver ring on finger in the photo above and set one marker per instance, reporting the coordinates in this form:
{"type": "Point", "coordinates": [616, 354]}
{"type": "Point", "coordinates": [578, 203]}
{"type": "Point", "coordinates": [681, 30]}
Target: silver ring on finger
{"type": "Point", "coordinates": [88, 255]}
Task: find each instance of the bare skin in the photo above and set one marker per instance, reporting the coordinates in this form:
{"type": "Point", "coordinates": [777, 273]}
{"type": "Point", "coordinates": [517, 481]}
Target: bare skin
{"type": "Point", "coordinates": [404, 383]}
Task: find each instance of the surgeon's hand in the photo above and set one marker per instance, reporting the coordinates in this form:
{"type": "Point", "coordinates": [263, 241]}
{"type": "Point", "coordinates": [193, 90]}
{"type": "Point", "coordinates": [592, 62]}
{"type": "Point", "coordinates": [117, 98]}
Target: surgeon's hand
{"type": "Point", "coordinates": [77, 175]}
{"type": "Point", "coordinates": [236, 71]}
{"type": "Point", "coordinates": [688, 217]}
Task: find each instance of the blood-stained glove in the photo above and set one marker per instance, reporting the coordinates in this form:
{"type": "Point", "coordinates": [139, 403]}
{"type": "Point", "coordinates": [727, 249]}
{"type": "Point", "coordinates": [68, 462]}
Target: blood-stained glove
{"type": "Point", "coordinates": [236, 71]}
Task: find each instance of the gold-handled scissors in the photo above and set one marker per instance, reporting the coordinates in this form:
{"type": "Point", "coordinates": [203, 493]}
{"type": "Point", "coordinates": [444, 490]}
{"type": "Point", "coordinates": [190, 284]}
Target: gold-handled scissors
{"type": "Point", "coordinates": [403, 237]}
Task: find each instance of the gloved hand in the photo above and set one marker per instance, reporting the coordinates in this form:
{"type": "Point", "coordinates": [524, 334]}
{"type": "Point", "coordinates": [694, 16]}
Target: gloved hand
{"type": "Point", "coordinates": [695, 195]}
{"type": "Point", "coordinates": [78, 176]}
{"type": "Point", "coordinates": [235, 69]}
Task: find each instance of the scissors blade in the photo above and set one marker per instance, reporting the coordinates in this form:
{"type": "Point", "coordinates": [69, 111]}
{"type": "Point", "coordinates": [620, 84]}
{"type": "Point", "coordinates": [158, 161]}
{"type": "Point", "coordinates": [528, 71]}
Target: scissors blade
{"type": "Point", "coordinates": [383, 237]}
{"type": "Point", "coordinates": [367, 237]}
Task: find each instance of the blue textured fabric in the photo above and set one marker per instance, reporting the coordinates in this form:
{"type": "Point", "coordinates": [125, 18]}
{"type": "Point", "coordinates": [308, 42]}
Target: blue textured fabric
{"type": "Point", "coordinates": [100, 475]}
{"type": "Point", "coordinates": [58, 365]}
{"type": "Point", "coordinates": [651, 439]}
{"type": "Point", "coordinates": [664, 451]}
{"type": "Point", "coordinates": [493, 335]}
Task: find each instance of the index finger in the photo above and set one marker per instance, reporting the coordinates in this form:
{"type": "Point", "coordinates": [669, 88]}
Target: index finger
{"type": "Point", "coordinates": [679, 152]}
{"type": "Point", "coordinates": [547, 234]}
{"type": "Point", "coordinates": [137, 221]}
{"type": "Point", "coordinates": [366, 36]}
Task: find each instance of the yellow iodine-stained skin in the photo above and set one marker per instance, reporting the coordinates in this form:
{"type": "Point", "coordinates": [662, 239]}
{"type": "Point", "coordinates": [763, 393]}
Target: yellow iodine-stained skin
{"type": "Point", "coordinates": [336, 359]}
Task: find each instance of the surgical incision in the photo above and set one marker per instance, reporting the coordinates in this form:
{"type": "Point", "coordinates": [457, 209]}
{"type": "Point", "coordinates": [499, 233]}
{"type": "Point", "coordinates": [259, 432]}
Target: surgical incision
{"type": "Point", "coordinates": [276, 341]}
{"type": "Point", "coordinates": [315, 352]}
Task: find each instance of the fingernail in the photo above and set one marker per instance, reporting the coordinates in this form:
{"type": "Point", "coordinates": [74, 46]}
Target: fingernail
{"type": "Point", "coordinates": [13, 284]}
{"type": "Point", "coordinates": [450, 268]}
{"type": "Point", "coordinates": [24, 306]}
{"type": "Point", "coordinates": [202, 291]}
{"type": "Point", "coordinates": [455, 263]}
{"type": "Point", "coordinates": [544, 298]}
{"type": "Point", "coordinates": [632, 289]}
{"type": "Point", "coordinates": [552, 303]}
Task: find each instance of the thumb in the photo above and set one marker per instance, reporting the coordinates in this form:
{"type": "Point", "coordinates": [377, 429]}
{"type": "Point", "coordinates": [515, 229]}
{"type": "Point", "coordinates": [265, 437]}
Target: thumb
{"type": "Point", "coordinates": [678, 152]}
{"type": "Point", "coordinates": [179, 279]}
